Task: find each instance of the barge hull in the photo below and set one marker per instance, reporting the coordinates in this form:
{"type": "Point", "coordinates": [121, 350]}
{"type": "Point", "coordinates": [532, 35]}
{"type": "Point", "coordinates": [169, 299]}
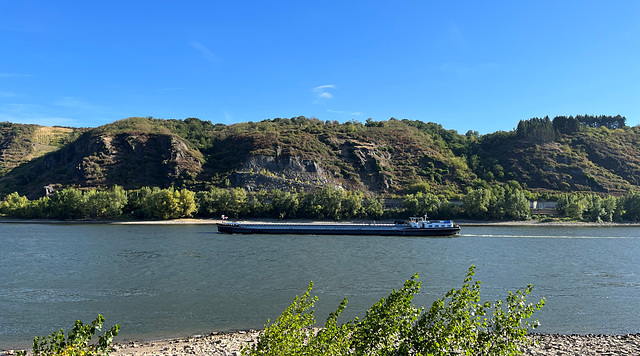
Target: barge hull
{"type": "Point", "coordinates": [351, 230]}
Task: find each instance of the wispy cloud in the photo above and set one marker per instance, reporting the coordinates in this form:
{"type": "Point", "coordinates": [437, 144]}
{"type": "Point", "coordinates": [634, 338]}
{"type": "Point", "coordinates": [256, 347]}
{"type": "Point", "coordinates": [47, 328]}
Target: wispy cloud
{"type": "Point", "coordinates": [204, 51]}
{"type": "Point", "coordinates": [352, 113]}
{"type": "Point", "coordinates": [322, 93]}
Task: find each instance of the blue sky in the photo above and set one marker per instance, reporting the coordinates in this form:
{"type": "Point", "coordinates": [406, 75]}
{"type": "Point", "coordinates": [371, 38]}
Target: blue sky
{"type": "Point", "coordinates": [468, 65]}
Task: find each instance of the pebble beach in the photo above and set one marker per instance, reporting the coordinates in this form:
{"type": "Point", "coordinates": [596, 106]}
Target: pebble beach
{"type": "Point", "coordinates": [225, 344]}
{"type": "Point", "coordinates": [231, 343]}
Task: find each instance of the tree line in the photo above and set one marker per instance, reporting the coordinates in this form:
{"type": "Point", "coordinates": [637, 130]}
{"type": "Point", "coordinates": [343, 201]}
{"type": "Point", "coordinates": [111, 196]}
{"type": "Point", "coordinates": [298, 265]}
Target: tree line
{"type": "Point", "coordinates": [545, 129]}
{"type": "Point", "coordinates": [500, 202]}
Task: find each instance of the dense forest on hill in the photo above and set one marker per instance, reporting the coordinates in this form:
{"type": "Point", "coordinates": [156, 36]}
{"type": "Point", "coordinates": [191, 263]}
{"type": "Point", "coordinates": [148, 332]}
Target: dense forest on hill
{"type": "Point", "coordinates": [598, 154]}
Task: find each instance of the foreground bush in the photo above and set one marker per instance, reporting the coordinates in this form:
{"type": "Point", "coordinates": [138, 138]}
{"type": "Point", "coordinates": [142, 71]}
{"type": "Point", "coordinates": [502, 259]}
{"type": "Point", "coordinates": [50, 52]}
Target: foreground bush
{"type": "Point", "coordinates": [458, 324]}
{"type": "Point", "coordinates": [77, 342]}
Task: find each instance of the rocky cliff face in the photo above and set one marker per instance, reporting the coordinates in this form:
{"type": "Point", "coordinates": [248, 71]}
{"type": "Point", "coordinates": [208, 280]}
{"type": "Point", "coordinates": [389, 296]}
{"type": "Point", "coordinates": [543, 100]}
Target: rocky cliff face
{"type": "Point", "coordinates": [285, 171]}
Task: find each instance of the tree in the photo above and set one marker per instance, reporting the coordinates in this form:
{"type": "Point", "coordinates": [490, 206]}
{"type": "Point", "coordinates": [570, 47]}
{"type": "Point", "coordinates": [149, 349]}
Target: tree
{"type": "Point", "coordinates": [351, 206]}
{"type": "Point", "coordinates": [186, 202]}
{"type": "Point", "coordinates": [566, 125]}
{"type": "Point", "coordinates": [258, 204]}
{"type": "Point", "coordinates": [595, 211]}
{"type": "Point", "coordinates": [105, 203]}
{"type": "Point", "coordinates": [222, 201]}
{"type": "Point", "coordinates": [421, 203]}
{"type": "Point", "coordinates": [516, 205]}
{"type": "Point", "coordinates": [237, 202]}
{"type": "Point", "coordinates": [161, 204]}
{"type": "Point", "coordinates": [14, 205]}
{"type": "Point", "coordinates": [373, 207]}
{"type": "Point", "coordinates": [324, 204]}
{"type": "Point", "coordinates": [632, 206]}
{"type": "Point", "coordinates": [285, 204]}
{"type": "Point", "coordinates": [67, 203]}
{"type": "Point", "coordinates": [477, 202]}
{"type": "Point", "coordinates": [571, 206]}
{"type": "Point", "coordinates": [536, 130]}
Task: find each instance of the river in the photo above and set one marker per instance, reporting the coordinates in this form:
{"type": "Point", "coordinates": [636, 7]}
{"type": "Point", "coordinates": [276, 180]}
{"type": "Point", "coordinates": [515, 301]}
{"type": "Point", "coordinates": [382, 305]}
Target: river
{"type": "Point", "coordinates": [161, 281]}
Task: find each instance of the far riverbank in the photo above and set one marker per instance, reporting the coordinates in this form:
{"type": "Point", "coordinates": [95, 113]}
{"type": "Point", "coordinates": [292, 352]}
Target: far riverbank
{"type": "Point", "coordinates": [201, 221]}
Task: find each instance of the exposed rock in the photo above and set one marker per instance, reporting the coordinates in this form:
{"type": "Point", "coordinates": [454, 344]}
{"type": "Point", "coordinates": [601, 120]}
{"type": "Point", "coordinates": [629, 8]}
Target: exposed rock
{"type": "Point", "coordinates": [281, 172]}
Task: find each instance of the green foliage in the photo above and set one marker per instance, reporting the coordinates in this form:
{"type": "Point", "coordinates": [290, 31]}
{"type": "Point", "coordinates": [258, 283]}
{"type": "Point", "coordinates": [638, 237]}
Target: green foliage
{"type": "Point", "coordinates": [421, 203]}
{"type": "Point", "coordinates": [333, 203]}
{"type": "Point", "coordinates": [67, 204]}
{"type": "Point", "coordinates": [566, 125]}
{"type": "Point", "coordinates": [219, 201]}
{"type": "Point", "coordinates": [499, 201]}
{"type": "Point", "coordinates": [373, 207]}
{"type": "Point", "coordinates": [106, 204]}
{"type": "Point", "coordinates": [516, 205]}
{"type": "Point", "coordinates": [631, 204]}
{"type": "Point", "coordinates": [285, 204]}
{"type": "Point", "coordinates": [15, 205]}
{"type": "Point", "coordinates": [458, 324]}
{"type": "Point", "coordinates": [536, 129]}
{"type": "Point", "coordinates": [77, 342]}
{"type": "Point", "coordinates": [610, 122]}
{"type": "Point", "coordinates": [386, 325]}
{"type": "Point", "coordinates": [168, 203]}
{"type": "Point", "coordinates": [477, 203]}
{"type": "Point", "coordinates": [591, 207]}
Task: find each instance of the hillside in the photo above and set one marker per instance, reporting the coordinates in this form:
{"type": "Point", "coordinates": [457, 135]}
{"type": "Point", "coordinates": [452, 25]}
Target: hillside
{"type": "Point", "coordinates": [22, 143]}
{"type": "Point", "coordinates": [385, 157]}
{"type": "Point", "coordinates": [597, 159]}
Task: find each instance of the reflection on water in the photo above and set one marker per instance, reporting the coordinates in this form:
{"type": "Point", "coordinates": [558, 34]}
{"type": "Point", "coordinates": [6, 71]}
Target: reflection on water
{"type": "Point", "coordinates": [158, 281]}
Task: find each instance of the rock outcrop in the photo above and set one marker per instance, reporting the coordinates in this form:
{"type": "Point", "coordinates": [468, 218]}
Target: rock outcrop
{"type": "Point", "coordinates": [281, 172]}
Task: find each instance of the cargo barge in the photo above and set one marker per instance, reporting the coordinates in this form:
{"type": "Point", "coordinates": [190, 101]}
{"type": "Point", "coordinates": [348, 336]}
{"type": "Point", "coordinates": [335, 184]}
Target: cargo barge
{"type": "Point", "coordinates": [417, 226]}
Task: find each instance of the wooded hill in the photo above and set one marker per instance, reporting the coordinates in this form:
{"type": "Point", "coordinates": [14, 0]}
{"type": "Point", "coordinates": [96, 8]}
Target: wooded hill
{"type": "Point", "coordinates": [583, 153]}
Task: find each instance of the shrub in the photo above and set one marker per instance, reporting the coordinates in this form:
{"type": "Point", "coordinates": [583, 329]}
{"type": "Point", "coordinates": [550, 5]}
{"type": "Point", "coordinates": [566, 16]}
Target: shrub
{"type": "Point", "coordinates": [457, 324]}
{"type": "Point", "coordinates": [76, 343]}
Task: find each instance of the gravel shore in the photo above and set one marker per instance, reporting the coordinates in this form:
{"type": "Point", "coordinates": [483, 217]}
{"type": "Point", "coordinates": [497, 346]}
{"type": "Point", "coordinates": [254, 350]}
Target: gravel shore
{"type": "Point", "coordinates": [231, 343]}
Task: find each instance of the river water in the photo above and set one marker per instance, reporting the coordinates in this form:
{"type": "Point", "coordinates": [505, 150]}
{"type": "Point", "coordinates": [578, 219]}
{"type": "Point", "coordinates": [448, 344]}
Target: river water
{"type": "Point", "coordinates": [161, 281]}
